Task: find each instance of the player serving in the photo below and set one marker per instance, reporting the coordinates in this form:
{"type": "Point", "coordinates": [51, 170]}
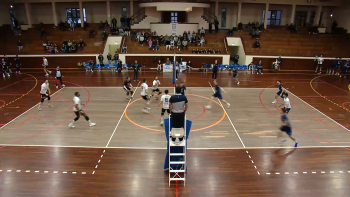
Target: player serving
{"type": "Point", "coordinates": [155, 88]}
{"type": "Point", "coordinates": [128, 88]}
{"type": "Point", "coordinates": [165, 100]}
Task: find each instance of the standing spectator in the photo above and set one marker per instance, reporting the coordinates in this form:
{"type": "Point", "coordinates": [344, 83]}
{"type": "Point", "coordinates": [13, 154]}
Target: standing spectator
{"type": "Point", "coordinates": [128, 22]}
{"type": "Point", "coordinates": [91, 33]}
{"type": "Point", "coordinates": [42, 33]}
{"type": "Point", "coordinates": [105, 25]}
{"type": "Point", "coordinates": [124, 48]}
{"type": "Point", "coordinates": [149, 44]}
{"type": "Point", "coordinates": [202, 32]}
{"type": "Point", "coordinates": [154, 43]}
{"type": "Point", "coordinates": [104, 34]}
{"type": "Point", "coordinates": [20, 46]}
{"type": "Point", "coordinates": [240, 26]}
{"type": "Point", "coordinates": [109, 58]}
{"type": "Point", "coordinates": [256, 44]}
{"type": "Point", "coordinates": [279, 61]}
{"type": "Point", "coordinates": [136, 71]}
{"type": "Point", "coordinates": [259, 67]}
{"type": "Point", "coordinates": [158, 45]}
{"type": "Point", "coordinates": [45, 46]}
{"type": "Point", "coordinates": [189, 66]}
{"type": "Point", "coordinates": [18, 64]}
{"type": "Point", "coordinates": [178, 107]}
{"type": "Point", "coordinates": [100, 59]}
{"type": "Point", "coordinates": [179, 45]}
{"type": "Point", "coordinates": [210, 28]}
{"type": "Point", "coordinates": [235, 59]}
{"type": "Point", "coordinates": [141, 39]}
{"type": "Point", "coordinates": [122, 21]}
{"type": "Point", "coordinates": [70, 45]}
{"type": "Point", "coordinates": [114, 23]}
{"type": "Point", "coordinates": [81, 44]}
{"type": "Point", "coordinates": [64, 48]}
{"type": "Point", "coordinates": [215, 70]}
{"type": "Point", "coordinates": [71, 25]}
{"type": "Point", "coordinates": [216, 23]}
{"type": "Point", "coordinates": [116, 57]}
{"type": "Point", "coordinates": [159, 66]}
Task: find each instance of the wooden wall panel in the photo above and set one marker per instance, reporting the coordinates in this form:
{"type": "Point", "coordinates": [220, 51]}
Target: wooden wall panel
{"type": "Point", "coordinates": [63, 62]}
{"type": "Point", "coordinates": [195, 60]}
{"type": "Point", "coordinates": [292, 64]}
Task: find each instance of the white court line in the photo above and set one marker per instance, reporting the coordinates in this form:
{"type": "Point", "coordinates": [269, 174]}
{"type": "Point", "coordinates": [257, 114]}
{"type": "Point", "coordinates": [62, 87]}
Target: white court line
{"type": "Point", "coordinates": [239, 137]}
{"type": "Point", "coordinates": [122, 116]}
{"type": "Point", "coordinates": [27, 110]}
{"type": "Point", "coordinates": [152, 148]}
{"type": "Point", "coordinates": [166, 87]}
{"type": "Point", "coordinates": [320, 111]}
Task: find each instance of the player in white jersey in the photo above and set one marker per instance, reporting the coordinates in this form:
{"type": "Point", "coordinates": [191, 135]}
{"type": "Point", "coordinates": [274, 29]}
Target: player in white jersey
{"type": "Point", "coordinates": [155, 88]}
{"type": "Point", "coordinates": [46, 65]}
{"type": "Point", "coordinates": [78, 111]}
{"type": "Point", "coordinates": [165, 100]}
{"type": "Point", "coordinates": [44, 93]}
{"type": "Point", "coordinates": [286, 103]}
{"type": "Point", "coordinates": [144, 95]}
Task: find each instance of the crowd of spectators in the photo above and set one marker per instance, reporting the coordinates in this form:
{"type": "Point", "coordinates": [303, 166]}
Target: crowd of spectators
{"type": "Point", "coordinates": [67, 46]}
{"type": "Point", "coordinates": [292, 28]}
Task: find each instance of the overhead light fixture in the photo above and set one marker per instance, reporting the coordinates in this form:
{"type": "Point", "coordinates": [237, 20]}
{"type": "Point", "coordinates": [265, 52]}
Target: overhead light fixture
{"type": "Point", "coordinates": [116, 42]}
{"type": "Point", "coordinates": [331, 15]}
{"type": "Point", "coordinates": [11, 6]}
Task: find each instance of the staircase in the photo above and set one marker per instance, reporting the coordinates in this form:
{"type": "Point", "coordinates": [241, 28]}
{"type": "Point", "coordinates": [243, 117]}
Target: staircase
{"type": "Point", "coordinates": [208, 16]}
{"type": "Point", "coordinates": [138, 17]}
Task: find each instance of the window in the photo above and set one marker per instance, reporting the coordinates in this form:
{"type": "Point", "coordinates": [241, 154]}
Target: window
{"type": "Point", "coordinates": [273, 17]}
{"type": "Point", "coordinates": [124, 12]}
{"type": "Point", "coordinates": [223, 17]}
{"type": "Point", "coordinates": [73, 14]}
{"type": "Point", "coordinates": [173, 18]}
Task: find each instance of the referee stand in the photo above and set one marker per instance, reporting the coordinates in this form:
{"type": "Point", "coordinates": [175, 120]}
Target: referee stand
{"type": "Point", "coordinates": [176, 157]}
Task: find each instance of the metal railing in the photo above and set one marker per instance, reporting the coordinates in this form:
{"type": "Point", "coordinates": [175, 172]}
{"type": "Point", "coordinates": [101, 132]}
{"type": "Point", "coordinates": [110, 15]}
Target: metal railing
{"type": "Point", "coordinates": [138, 16]}
{"type": "Point", "coordinates": [208, 16]}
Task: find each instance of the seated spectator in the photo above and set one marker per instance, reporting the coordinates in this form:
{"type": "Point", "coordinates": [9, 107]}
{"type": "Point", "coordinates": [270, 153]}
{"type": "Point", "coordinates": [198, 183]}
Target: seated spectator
{"type": "Point", "coordinates": [154, 33]}
{"type": "Point", "coordinates": [184, 34]}
{"type": "Point", "coordinates": [146, 35]}
{"type": "Point", "coordinates": [261, 27]}
{"type": "Point", "coordinates": [157, 45]}
{"type": "Point", "coordinates": [218, 51]}
{"type": "Point", "coordinates": [51, 49]}
{"type": "Point", "coordinates": [154, 43]}
{"type": "Point", "coordinates": [252, 33]}
{"type": "Point", "coordinates": [20, 46]}
{"type": "Point", "coordinates": [184, 43]}
{"type": "Point", "coordinates": [138, 35]}
{"type": "Point", "coordinates": [141, 39]}
{"type": "Point", "coordinates": [193, 40]}
{"type": "Point", "coordinates": [256, 44]}
{"type": "Point", "coordinates": [209, 51]}
{"type": "Point", "coordinates": [64, 48]}
{"type": "Point", "coordinates": [240, 26]}
{"type": "Point", "coordinates": [74, 43]}
{"type": "Point", "coordinates": [126, 31]}
{"type": "Point", "coordinates": [91, 33]}
{"type": "Point", "coordinates": [149, 44]}
{"type": "Point", "coordinates": [175, 40]}
{"type": "Point", "coordinates": [172, 44]}
{"type": "Point", "coordinates": [72, 48]}
{"type": "Point", "coordinates": [56, 48]}
{"type": "Point", "coordinates": [70, 45]}
{"type": "Point", "coordinates": [201, 51]}
{"type": "Point", "coordinates": [45, 46]}
{"type": "Point", "coordinates": [197, 51]}
{"type": "Point", "coordinates": [189, 66]}
{"type": "Point", "coordinates": [214, 51]}
{"type": "Point", "coordinates": [124, 49]}
{"type": "Point", "coordinates": [202, 32]}
{"type": "Point", "coordinates": [121, 31]}
{"type": "Point", "coordinates": [104, 35]}
{"type": "Point", "coordinates": [202, 41]}
{"type": "Point", "coordinates": [193, 51]}
{"type": "Point", "coordinates": [179, 45]}
{"type": "Point", "coordinates": [81, 44]}
{"type": "Point", "coordinates": [167, 43]}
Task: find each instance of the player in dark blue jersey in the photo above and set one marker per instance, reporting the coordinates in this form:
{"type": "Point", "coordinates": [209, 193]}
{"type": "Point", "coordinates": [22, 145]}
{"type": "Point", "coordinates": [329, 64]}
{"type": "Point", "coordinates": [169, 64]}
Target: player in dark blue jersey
{"type": "Point", "coordinates": [218, 95]}
{"type": "Point", "coordinates": [280, 92]}
{"type": "Point", "coordinates": [183, 87]}
{"type": "Point", "coordinates": [235, 75]}
{"type": "Point", "coordinates": [286, 127]}
{"type": "Point", "coordinates": [345, 68]}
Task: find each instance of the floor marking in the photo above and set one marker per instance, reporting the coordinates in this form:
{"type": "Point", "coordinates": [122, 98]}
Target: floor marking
{"type": "Point", "coordinates": [249, 156]}
{"type": "Point", "coordinates": [213, 136]}
{"type": "Point", "coordinates": [341, 172]}
{"type": "Point", "coordinates": [319, 111]}
{"type": "Point", "coordinates": [27, 170]}
{"type": "Point", "coordinates": [332, 172]}
{"type": "Point", "coordinates": [313, 172]}
{"type": "Point", "coordinates": [83, 173]}
{"type": "Point", "coordinates": [18, 170]}
{"type": "Point", "coordinates": [96, 166]}
{"type": "Point", "coordinates": [304, 172]}
{"type": "Point", "coordinates": [322, 172]}
{"type": "Point", "coordinates": [27, 110]}
{"type": "Point", "coordinates": [255, 167]}
{"type": "Point", "coordinates": [277, 173]}
{"type": "Point", "coordinates": [8, 170]}
{"type": "Point", "coordinates": [55, 172]}
{"type": "Point", "coordinates": [286, 173]}
{"type": "Point", "coordinates": [296, 173]}
{"type": "Point", "coordinates": [74, 172]}
{"type": "Point", "coordinates": [46, 171]}
{"type": "Point", "coordinates": [36, 171]}
{"type": "Point", "coordinates": [268, 173]}
{"type": "Point", "coordinates": [258, 172]}
{"type": "Point", "coordinates": [64, 172]}
{"type": "Point", "coordinates": [93, 172]}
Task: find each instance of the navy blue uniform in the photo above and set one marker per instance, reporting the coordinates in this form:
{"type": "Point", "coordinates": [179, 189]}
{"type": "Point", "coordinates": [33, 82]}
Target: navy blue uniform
{"type": "Point", "coordinates": [287, 129]}
{"type": "Point", "coordinates": [345, 68]}
{"type": "Point", "coordinates": [215, 71]}
{"type": "Point", "coordinates": [280, 89]}
{"type": "Point", "coordinates": [183, 88]}
{"type": "Point", "coordinates": [217, 92]}
{"type": "Point", "coordinates": [339, 63]}
{"type": "Point", "coordinates": [235, 73]}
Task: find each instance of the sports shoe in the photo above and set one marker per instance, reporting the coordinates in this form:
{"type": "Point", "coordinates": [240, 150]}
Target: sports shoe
{"type": "Point", "coordinates": [273, 102]}
{"type": "Point", "coordinates": [56, 87]}
{"type": "Point", "coordinates": [238, 82]}
{"type": "Point", "coordinates": [49, 72]}
{"type": "Point", "coordinates": [39, 108]}
{"type": "Point", "coordinates": [208, 107]}
{"type": "Point", "coordinates": [161, 123]}
{"type": "Point", "coordinates": [71, 125]}
{"type": "Point", "coordinates": [145, 111]}
{"type": "Point", "coordinates": [296, 144]}
{"type": "Point", "coordinates": [46, 75]}
{"type": "Point", "coordinates": [92, 124]}
{"type": "Point", "coordinates": [228, 105]}
{"type": "Point", "coordinates": [50, 106]}
{"type": "Point", "coordinates": [63, 85]}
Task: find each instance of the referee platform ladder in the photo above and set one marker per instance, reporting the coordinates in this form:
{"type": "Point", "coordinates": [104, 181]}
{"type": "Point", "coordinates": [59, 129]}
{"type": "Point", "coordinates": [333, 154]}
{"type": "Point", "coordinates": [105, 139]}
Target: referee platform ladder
{"type": "Point", "coordinates": [177, 154]}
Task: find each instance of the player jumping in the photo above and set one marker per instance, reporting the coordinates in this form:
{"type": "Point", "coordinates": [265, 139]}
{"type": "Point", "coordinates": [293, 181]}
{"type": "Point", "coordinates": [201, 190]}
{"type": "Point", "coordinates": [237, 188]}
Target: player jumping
{"type": "Point", "coordinates": [155, 88]}
{"type": "Point", "coordinates": [280, 92]}
{"type": "Point", "coordinates": [218, 95]}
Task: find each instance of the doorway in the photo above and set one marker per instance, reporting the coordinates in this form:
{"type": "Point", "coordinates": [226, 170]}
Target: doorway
{"type": "Point", "coordinates": [300, 18]}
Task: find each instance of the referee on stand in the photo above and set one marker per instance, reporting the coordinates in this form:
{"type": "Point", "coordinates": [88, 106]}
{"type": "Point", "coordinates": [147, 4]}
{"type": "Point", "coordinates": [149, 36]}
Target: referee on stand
{"type": "Point", "coordinates": [178, 107]}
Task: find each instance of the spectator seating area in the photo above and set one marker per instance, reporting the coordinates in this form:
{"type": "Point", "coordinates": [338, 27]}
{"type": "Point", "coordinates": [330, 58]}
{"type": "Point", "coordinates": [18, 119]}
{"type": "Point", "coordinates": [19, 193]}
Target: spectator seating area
{"type": "Point", "coordinates": [278, 41]}
{"type": "Point", "coordinates": [33, 44]}
{"type": "Point", "coordinates": [213, 42]}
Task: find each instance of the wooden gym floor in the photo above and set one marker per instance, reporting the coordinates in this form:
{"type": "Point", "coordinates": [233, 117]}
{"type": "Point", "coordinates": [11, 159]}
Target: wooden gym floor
{"type": "Point", "coordinates": [232, 152]}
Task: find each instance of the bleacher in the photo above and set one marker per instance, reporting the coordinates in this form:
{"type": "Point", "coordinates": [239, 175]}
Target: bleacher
{"type": "Point", "coordinates": [214, 41]}
{"type": "Point", "coordinates": [277, 41]}
{"type": "Point", "coordinates": [33, 44]}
